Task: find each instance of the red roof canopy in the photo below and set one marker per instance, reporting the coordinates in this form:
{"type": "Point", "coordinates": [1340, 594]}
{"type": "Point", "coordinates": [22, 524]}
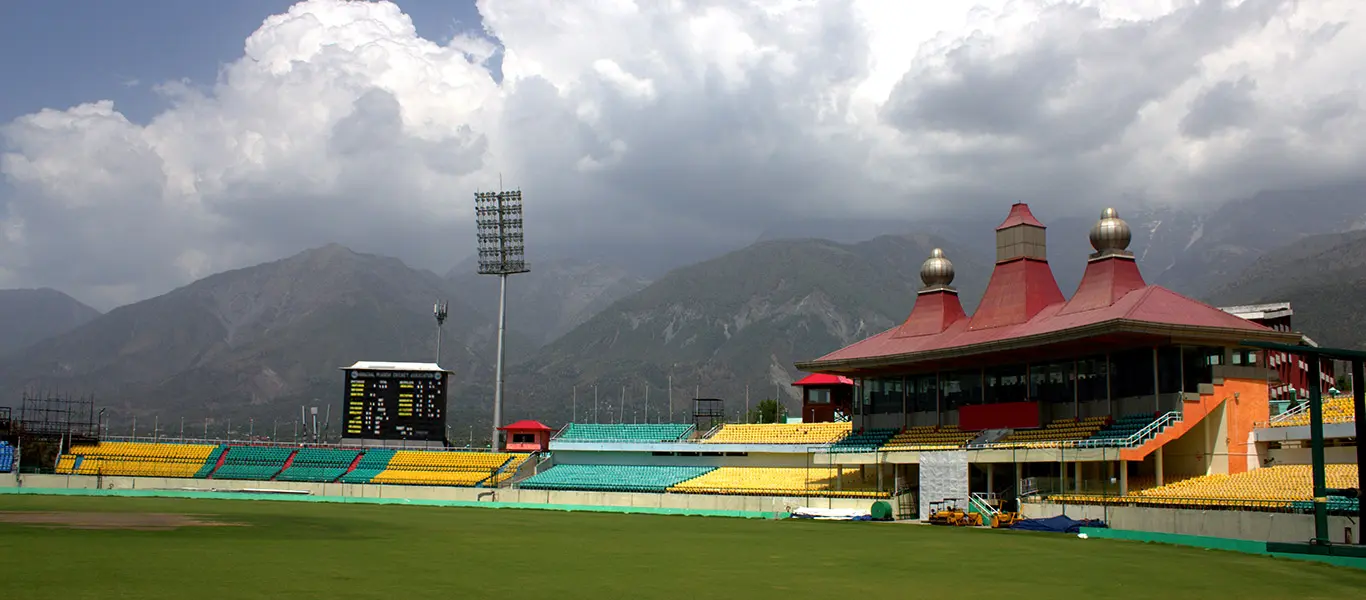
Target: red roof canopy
{"type": "Point", "coordinates": [823, 379]}
{"type": "Point", "coordinates": [933, 312]}
{"type": "Point", "coordinates": [526, 425]}
{"type": "Point", "coordinates": [1018, 290]}
{"type": "Point", "coordinates": [1151, 304]}
{"type": "Point", "coordinates": [1022, 307]}
{"type": "Point", "coordinates": [1019, 215]}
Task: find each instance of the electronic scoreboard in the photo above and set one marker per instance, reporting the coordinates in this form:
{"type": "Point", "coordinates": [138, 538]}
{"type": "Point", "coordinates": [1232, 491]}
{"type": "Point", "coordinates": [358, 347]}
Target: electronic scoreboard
{"type": "Point", "coordinates": [395, 401]}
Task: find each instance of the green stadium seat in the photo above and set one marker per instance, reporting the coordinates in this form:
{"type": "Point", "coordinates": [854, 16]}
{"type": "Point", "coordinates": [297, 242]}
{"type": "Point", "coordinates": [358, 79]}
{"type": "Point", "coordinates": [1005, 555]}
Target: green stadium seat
{"type": "Point", "coordinates": [253, 462]}
{"type": "Point", "coordinates": [1119, 431]}
{"type": "Point", "coordinates": [372, 463]}
{"type": "Point", "coordinates": [624, 432]}
{"type": "Point", "coordinates": [319, 465]}
{"type": "Point", "coordinates": [612, 478]}
{"type": "Point", "coordinates": [868, 440]}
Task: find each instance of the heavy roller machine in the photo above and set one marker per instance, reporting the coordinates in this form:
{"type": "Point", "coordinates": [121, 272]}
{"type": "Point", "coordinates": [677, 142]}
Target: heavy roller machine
{"type": "Point", "coordinates": [1002, 520]}
{"type": "Point", "coordinates": [947, 512]}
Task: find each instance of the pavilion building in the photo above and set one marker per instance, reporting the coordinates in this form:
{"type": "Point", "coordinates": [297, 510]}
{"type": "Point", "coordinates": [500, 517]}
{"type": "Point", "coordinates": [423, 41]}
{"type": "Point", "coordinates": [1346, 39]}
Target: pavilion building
{"type": "Point", "coordinates": [1029, 360]}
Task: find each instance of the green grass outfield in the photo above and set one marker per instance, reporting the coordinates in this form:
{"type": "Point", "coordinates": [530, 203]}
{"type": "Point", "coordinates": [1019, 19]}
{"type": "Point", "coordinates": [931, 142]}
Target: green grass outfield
{"type": "Point", "coordinates": [339, 551]}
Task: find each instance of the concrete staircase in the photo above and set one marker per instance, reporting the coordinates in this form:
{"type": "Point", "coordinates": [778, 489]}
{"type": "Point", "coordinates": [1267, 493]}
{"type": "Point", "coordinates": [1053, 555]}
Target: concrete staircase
{"type": "Point", "coordinates": [1193, 411]}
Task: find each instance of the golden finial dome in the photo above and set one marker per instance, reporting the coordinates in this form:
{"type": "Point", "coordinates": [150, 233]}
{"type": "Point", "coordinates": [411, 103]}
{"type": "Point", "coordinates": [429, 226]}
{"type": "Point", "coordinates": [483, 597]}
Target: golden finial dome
{"type": "Point", "coordinates": [1111, 233]}
{"type": "Point", "coordinates": [937, 271]}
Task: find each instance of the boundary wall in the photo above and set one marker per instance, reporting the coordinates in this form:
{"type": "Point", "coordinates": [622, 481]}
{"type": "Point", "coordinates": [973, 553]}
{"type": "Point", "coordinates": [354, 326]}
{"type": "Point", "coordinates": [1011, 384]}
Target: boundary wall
{"type": "Point", "coordinates": [1226, 524]}
{"type": "Point", "coordinates": [657, 503]}
{"type": "Point", "coordinates": [1216, 543]}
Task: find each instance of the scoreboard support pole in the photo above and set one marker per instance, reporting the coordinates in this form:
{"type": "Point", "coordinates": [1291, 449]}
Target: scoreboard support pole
{"type": "Point", "coordinates": [494, 446]}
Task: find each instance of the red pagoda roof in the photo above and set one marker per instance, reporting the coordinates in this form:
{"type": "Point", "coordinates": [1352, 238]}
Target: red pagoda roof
{"type": "Point", "coordinates": [1018, 290]}
{"type": "Point", "coordinates": [933, 312]}
{"type": "Point", "coordinates": [1141, 309]}
{"type": "Point", "coordinates": [1023, 308]}
{"type": "Point", "coordinates": [526, 425]}
{"type": "Point", "coordinates": [823, 379]}
{"type": "Point", "coordinates": [1019, 215]}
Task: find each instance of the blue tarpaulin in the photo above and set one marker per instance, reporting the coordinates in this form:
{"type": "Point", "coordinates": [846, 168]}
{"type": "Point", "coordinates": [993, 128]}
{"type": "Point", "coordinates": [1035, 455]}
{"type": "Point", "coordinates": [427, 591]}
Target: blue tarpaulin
{"type": "Point", "coordinates": [1058, 524]}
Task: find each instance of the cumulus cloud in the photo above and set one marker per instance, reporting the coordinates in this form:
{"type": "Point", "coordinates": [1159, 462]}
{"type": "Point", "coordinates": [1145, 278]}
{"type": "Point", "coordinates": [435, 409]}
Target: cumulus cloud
{"type": "Point", "coordinates": [659, 125]}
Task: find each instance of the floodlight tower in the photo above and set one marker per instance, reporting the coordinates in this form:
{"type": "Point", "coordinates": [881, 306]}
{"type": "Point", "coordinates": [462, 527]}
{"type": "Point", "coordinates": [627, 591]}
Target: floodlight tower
{"type": "Point", "coordinates": [502, 252]}
{"type": "Point", "coordinates": [439, 311]}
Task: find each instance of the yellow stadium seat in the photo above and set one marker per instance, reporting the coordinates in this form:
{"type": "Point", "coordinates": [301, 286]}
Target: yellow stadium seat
{"type": "Point", "coordinates": [782, 481]}
{"type": "Point", "coordinates": [136, 459]}
{"type": "Point", "coordinates": [1337, 409]}
{"type": "Point", "coordinates": [929, 437]}
{"type": "Point", "coordinates": [1053, 434]}
{"type": "Point", "coordinates": [418, 467]}
{"type": "Point", "coordinates": [1269, 487]}
{"type": "Point", "coordinates": [780, 433]}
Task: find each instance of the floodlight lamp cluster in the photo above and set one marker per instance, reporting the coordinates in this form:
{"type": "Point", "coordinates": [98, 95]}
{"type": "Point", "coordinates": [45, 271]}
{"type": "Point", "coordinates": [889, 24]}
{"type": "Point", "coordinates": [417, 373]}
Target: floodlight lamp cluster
{"type": "Point", "coordinates": [498, 220]}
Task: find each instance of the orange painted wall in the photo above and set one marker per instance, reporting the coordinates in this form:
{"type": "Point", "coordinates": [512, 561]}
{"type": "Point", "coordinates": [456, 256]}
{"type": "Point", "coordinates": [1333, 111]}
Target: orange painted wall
{"type": "Point", "coordinates": [1250, 407]}
{"type": "Point", "coordinates": [541, 443]}
{"type": "Point", "coordinates": [1242, 413]}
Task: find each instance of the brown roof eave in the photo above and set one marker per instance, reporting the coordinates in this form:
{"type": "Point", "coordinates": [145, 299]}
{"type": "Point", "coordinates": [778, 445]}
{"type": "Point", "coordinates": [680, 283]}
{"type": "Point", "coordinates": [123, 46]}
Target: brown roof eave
{"type": "Point", "coordinates": [1192, 332]}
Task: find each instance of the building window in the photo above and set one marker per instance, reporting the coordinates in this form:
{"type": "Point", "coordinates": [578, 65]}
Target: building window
{"type": "Point", "coordinates": [817, 396]}
{"type": "Point", "coordinates": [959, 388]}
{"type": "Point", "coordinates": [1198, 366]}
{"type": "Point", "coordinates": [1006, 384]}
{"type": "Point", "coordinates": [524, 438]}
{"type": "Point", "coordinates": [1052, 383]}
{"type": "Point", "coordinates": [923, 393]}
{"type": "Point", "coordinates": [1131, 373]}
{"type": "Point", "coordinates": [1093, 380]}
{"type": "Point", "coordinates": [1169, 370]}
{"type": "Point", "coordinates": [888, 398]}
{"type": "Point", "coordinates": [863, 398]}
{"type": "Point", "coordinates": [1244, 357]}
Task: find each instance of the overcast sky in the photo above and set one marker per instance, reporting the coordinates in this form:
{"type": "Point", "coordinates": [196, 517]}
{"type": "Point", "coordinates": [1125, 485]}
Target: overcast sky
{"type": "Point", "coordinates": [146, 144]}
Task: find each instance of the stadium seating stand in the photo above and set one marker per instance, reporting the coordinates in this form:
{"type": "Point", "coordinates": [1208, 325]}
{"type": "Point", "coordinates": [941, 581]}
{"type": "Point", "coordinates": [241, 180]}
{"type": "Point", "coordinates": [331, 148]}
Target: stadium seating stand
{"type": "Point", "coordinates": [780, 433]}
{"type": "Point", "coordinates": [612, 478]}
{"type": "Point", "coordinates": [780, 481]}
{"type": "Point", "coordinates": [624, 432]}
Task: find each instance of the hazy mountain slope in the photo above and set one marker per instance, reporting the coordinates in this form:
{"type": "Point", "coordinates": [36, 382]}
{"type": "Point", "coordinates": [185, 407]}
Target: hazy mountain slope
{"type": "Point", "coordinates": [556, 296]}
{"type": "Point", "coordinates": [1324, 279]}
{"type": "Point", "coordinates": [261, 340]}
{"type": "Point", "coordinates": [739, 320]}
{"type": "Point", "coordinates": [1233, 237]}
{"type": "Point", "coordinates": [32, 315]}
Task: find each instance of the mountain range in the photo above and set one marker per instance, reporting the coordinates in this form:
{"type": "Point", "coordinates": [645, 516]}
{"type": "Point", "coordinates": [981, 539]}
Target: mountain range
{"type": "Point", "coordinates": [261, 341]}
{"type": "Point", "coordinates": [31, 316]}
{"type": "Point", "coordinates": [1322, 277]}
{"type": "Point", "coordinates": [554, 298]}
{"type": "Point", "coordinates": [731, 323]}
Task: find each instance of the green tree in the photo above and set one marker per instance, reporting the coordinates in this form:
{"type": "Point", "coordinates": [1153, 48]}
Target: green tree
{"type": "Point", "coordinates": [767, 411]}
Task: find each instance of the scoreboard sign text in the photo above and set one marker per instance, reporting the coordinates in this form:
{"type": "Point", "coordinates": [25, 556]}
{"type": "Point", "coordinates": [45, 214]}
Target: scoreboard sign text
{"type": "Point", "coordinates": [395, 405]}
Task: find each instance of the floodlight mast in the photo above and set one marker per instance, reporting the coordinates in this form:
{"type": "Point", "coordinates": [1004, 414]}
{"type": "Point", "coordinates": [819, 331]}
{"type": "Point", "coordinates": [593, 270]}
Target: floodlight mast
{"type": "Point", "coordinates": [439, 310]}
{"type": "Point", "coordinates": [502, 252]}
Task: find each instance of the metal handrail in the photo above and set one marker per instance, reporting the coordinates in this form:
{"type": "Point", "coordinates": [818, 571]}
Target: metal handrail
{"type": "Point", "coordinates": [1174, 501]}
{"type": "Point", "coordinates": [1290, 414]}
{"type": "Point", "coordinates": [561, 431]}
{"type": "Point", "coordinates": [1153, 428]}
{"type": "Point", "coordinates": [982, 503]}
{"type": "Point", "coordinates": [1135, 439]}
{"type": "Point", "coordinates": [711, 431]}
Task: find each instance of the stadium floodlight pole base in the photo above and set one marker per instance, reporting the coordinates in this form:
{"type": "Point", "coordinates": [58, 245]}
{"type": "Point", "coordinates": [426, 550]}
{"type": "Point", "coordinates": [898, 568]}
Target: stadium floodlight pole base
{"type": "Point", "coordinates": [498, 367]}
